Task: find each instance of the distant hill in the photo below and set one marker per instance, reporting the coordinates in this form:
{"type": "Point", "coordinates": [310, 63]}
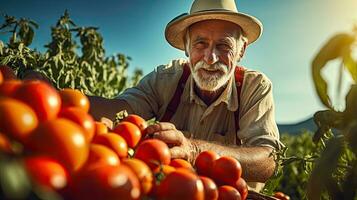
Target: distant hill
{"type": "Point", "coordinates": [299, 127]}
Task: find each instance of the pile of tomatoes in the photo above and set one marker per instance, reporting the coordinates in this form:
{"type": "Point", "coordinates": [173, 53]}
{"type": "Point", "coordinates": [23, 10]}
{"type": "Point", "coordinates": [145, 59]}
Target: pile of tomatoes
{"type": "Point", "coordinates": [65, 150]}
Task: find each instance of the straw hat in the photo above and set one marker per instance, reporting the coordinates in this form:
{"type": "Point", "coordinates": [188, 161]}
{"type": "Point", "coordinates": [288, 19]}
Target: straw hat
{"type": "Point", "coordinates": [211, 9]}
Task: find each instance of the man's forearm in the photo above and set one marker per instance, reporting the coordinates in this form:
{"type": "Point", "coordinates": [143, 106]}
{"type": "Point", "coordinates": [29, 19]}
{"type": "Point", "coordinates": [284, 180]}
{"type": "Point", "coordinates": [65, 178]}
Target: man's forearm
{"type": "Point", "coordinates": [257, 163]}
{"type": "Point", "coordinates": [102, 107]}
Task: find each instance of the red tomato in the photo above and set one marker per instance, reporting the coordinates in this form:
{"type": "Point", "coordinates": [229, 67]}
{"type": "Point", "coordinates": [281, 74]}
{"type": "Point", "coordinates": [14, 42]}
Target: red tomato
{"type": "Point", "coordinates": [81, 118]}
{"type": "Point", "coordinates": [17, 120]}
{"type": "Point", "coordinates": [63, 140]}
{"type": "Point", "coordinates": [227, 192]}
{"type": "Point", "coordinates": [281, 196]}
{"type": "Point", "coordinates": [130, 132]}
{"type": "Point", "coordinates": [153, 152]}
{"type": "Point", "coordinates": [138, 121]}
{"type": "Point", "coordinates": [210, 188]}
{"type": "Point", "coordinates": [5, 144]}
{"type": "Point", "coordinates": [47, 172]}
{"type": "Point", "coordinates": [1, 78]}
{"type": "Point", "coordinates": [242, 188]}
{"type": "Point", "coordinates": [226, 170]}
{"type": "Point", "coordinates": [106, 182]}
{"type": "Point", "coordinates": [100, 128]}
{"type": "Point", "coordinates": [181, 163]}
{"type": "Point", "coordinates": [143, 172]}
{"type": "Point", "coordinates": [204, 162]}
{"type": "Point", "coordinates": [41, 97]}
{"type": "Point", "coordinates": [114, 142]}
{"type": "Point", "coordinates": [164, 169]}
{"type": "Point", "coordinates": [181, 184]}
{"type": "Point", "coordinates": [7, 72]}
{"type": "Point", "coordinates": [160, 172]}
{"type": "Point", "coordinates": [101, 155]}
{"type": "Point", "coordinates": [74, 98]}
{"type": "Point", "coordinates": [9, 87]}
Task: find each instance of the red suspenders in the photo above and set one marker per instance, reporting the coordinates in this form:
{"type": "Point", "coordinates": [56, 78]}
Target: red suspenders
{"type": "Point", "coordinates": [175, 100]}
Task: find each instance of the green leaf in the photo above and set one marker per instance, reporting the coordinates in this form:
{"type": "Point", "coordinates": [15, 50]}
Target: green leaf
{"type": "Point", "coordinates": [33, 23]}
{"type": "Point", "coordinates": [333, 49]}
{"type": "Point", "coordinates": [350, 185]}
{"type": "Point", "coordinates": [351, 103]}
{"type": "Point", "coordinates": [351, 65]}
{"type": "Point", "coordinates": [352, 136]}
{"type": "Point", "coordinates": [14, 180]}
{"type": "Point", "coordinates": [29, 37]}
{"type": "Point", "coordinates": [324, 168]}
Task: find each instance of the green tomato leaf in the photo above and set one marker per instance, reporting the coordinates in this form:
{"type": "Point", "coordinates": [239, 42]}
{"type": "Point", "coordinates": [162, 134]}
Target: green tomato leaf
{"type": "Point", "coordinates": [333, 49]}
{"type": "Point", "coordinates": [324, 168]}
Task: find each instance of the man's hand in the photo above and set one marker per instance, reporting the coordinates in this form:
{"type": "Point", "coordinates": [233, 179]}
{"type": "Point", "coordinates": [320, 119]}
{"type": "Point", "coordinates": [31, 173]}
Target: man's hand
{"type": "Point", "coordinates": [180, 146]}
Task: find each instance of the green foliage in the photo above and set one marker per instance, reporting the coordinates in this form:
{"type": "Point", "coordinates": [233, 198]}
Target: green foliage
{"type": "Point", "coordinates": [329, 175]}
{"type": "Point", "coordinates": [89, 71]}
{"type": "Point", "coordinates": [323, 165]}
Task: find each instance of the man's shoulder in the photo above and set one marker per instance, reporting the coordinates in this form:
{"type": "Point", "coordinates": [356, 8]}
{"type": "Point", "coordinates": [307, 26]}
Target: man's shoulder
{"type": "Point", "coordinates": [174, 67]}
{"type": "Point", "coordinates": [256, 78]}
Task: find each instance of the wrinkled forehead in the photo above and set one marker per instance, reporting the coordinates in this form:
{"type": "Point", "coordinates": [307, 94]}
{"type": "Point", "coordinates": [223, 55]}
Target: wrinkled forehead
{"type": "Point", "coordinates": [215, 27]}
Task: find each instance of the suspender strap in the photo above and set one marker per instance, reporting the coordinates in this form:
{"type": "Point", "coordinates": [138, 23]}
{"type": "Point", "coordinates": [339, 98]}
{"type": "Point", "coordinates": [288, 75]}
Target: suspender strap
{"type": "Point", "coordinates": [239, 75]}
{"type": "Point", "coordinates": [175, 100]}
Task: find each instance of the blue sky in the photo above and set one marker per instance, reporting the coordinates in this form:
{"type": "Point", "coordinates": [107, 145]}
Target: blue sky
{"type": "Point", "coordinates": [294, 30]}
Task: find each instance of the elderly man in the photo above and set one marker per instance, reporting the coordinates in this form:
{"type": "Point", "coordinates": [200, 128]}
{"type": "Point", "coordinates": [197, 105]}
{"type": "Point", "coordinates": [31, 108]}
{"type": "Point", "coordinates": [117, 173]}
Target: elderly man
{"type": "Point", "coordinates": [206, 102]}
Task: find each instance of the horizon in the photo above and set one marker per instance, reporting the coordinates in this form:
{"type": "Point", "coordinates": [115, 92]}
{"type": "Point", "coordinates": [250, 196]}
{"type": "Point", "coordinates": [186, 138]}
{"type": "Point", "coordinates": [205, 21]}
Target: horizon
{"type": "Point", "coordinates": [293, 34]}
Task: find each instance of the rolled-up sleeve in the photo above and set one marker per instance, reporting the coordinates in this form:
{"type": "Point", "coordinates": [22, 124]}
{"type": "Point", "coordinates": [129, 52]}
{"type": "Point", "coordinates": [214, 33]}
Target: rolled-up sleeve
{"type": "Point", "coordinates": [257, 114]}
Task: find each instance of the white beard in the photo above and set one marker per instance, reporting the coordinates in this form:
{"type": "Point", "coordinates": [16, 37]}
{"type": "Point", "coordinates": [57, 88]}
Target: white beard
{"type": "Point", "coordinates": [211, 77]}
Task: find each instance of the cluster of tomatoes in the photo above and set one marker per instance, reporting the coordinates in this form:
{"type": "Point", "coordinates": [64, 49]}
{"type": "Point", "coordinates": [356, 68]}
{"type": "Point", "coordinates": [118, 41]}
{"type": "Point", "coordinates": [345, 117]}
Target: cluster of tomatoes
{"type": "Point", "coordinates": [65, 150]}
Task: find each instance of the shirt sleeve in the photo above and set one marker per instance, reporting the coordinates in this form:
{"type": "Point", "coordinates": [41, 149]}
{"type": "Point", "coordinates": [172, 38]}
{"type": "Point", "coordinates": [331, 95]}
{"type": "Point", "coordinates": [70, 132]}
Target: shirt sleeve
{"type": "Point", "coordinates": [257, 115]}
{"type": "Point", "coordinates": [143, 98]}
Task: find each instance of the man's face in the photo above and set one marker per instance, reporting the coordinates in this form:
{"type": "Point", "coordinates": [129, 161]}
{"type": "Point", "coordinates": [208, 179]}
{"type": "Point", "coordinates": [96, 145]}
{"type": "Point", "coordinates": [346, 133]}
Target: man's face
{"type": "Point", "coordinates": [213, 52]}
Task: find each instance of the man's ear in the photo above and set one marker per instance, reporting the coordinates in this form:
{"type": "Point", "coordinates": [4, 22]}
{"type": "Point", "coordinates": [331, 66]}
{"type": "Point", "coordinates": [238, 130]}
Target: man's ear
{"type": "Point", "coordinates": [242, 51]}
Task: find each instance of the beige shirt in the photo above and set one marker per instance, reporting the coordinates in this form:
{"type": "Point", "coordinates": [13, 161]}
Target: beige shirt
{"type": "Point", "coordinates": [214, 122]}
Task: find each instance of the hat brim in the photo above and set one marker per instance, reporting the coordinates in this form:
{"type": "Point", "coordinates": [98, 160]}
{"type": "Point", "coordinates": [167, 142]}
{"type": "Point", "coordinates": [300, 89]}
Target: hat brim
{"type": "Point", "coordinates": [176, 29]}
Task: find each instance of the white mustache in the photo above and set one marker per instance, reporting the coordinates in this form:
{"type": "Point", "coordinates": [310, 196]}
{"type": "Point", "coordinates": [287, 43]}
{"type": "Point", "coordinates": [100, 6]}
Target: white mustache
{"type": "Point", "coordinates": [217, 66]}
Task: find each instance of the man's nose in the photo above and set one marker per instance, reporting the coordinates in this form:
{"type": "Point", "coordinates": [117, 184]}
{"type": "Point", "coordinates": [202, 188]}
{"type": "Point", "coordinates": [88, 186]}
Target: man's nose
{"type": "Point", "coordinates": [210, 56]}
